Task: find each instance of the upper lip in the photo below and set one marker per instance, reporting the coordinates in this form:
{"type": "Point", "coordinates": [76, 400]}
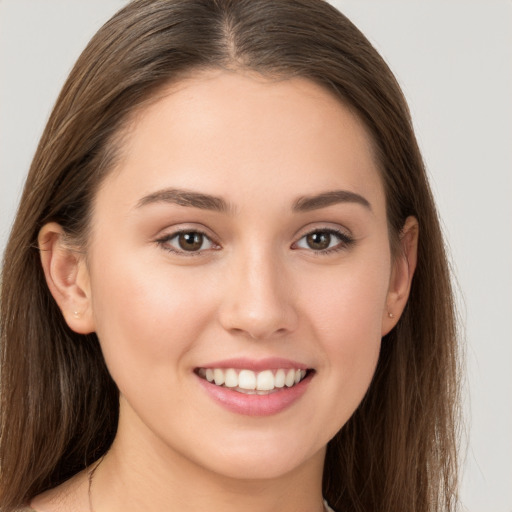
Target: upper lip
{"type": "Point", "coordinates": [257, 365]}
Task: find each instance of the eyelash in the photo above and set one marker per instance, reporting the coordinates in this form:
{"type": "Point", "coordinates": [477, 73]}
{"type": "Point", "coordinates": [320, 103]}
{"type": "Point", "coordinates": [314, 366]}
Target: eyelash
{"type": "Point", "coordinates": [344, 241]}
{"type": "Point", "coordinates": [164, 242]}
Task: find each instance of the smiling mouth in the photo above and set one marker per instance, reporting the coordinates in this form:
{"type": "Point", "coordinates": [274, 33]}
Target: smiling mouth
{"type": "Point", "coordinates": [253, 383]}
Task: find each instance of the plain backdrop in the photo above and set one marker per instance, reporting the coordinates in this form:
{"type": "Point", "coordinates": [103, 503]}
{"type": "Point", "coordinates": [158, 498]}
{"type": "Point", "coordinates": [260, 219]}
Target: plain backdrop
{"type": "Point", "coordinates": [454, 62]}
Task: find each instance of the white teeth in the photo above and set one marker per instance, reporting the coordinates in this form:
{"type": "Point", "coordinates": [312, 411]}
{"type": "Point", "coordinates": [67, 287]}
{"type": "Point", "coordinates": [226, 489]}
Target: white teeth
{"type": "Point", "coordinates": [218, 376]}
{"type": "Point", "coordinates": [289, 380]}
{"type": "Point", "coordinates": [255, 382]}
{"type": "Point", "coordinates": [265, 381]}
{"type": "Point", "coordinates": [231, 380]}
{"type": "Point", "coordinates": [279, 379]}
{"type": "Point", "coordinates": [247, 379]}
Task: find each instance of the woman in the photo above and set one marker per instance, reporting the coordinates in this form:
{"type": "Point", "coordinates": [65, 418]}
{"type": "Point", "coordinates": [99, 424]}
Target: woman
{"type": "Point", "coordinates": [219, 289]}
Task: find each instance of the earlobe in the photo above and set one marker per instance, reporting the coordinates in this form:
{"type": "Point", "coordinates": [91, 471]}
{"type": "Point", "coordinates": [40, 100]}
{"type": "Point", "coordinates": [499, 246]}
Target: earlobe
{"type": "Point", "coordinates": [67, 277]}
{"type": "Point", "coordinates": [401, 275]}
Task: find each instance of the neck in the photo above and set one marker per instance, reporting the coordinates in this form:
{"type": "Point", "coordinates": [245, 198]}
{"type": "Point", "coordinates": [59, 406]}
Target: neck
{"type": "Point", "coordinates": [144, 475]}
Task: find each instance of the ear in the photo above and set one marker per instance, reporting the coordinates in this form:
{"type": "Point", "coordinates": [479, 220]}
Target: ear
{"type": "Point", "coordinates": [401, 275]}
{"type": "Point", "coordinates": [67, 277]}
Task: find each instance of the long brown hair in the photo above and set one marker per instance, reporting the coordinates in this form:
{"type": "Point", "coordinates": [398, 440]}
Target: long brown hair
{"type": "Point", "coordinates": [59, 406]}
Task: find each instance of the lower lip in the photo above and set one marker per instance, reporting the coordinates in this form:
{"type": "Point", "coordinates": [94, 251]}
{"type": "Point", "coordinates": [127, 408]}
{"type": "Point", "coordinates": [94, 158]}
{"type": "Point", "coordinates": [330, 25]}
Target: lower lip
{"type": "Point", "coordinates": [256, 405]}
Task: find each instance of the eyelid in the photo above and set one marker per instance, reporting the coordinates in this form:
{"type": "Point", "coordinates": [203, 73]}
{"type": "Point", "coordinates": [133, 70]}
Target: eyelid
{"type": "Point", "coordinates": [164, 239]}
{"type": "Point", "coordinates": [345, 238]}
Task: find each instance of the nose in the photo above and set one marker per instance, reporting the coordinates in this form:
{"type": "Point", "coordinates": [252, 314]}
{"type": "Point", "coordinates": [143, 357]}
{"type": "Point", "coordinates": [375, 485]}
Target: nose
{"type": "Point", "coordinates": [258, 297]}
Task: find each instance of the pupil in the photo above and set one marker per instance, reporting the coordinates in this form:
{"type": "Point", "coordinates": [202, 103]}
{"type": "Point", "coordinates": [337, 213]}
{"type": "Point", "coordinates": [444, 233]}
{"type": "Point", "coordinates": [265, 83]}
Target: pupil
{"type": "Point", "coordinates": [190, 241]}
{"type": "Point", "coordinates": [319, 240]}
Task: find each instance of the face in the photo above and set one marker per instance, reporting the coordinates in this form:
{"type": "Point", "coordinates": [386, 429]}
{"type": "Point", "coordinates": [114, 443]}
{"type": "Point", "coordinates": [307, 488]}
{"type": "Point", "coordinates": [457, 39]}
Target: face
{"type": "Point", "coordinates": [241, 242]}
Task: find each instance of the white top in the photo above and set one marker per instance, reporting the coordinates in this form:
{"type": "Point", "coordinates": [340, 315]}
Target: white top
{"type": "Point", "coordinates": [327, 508]}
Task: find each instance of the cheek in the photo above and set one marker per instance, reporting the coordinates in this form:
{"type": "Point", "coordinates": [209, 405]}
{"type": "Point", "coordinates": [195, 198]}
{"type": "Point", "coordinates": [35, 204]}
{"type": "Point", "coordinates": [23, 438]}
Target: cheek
{"type": "Point", "coordinates": [146, 316]}
{"type": "Point", "coordinates": [347, 302]}
{"type": "Point", "coordinates": [346, 319]}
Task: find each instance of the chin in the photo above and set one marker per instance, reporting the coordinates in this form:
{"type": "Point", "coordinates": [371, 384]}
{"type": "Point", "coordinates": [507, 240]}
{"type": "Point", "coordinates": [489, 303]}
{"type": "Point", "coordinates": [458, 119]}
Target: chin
{"type": "Point", "coordinates": [263, 459]}
{"type": "Point", "coordinates": [258, 468]}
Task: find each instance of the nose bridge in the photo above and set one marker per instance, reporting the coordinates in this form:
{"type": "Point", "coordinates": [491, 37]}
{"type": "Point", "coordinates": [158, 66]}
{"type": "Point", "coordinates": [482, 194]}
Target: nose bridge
{"type": "Point", "coordinates": [258, 298]}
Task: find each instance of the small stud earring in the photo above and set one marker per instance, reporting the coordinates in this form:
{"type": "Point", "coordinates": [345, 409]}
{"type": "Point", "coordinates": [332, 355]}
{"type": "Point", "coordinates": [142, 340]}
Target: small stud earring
{"type": "Point", "coordinates": [391, 315]}
{"type": "Point", "coordinates": [76, 314]}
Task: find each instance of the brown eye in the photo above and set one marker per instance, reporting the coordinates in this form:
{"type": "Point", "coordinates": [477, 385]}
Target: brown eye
{"type": "Point", "coordinates": [192, 241]}
{"type": "Point", "coordinates": [183, 242]}
{"type": "Point", "coordinates": [324, 241]}
{"type": "Point", "coordinates": [319, 240]}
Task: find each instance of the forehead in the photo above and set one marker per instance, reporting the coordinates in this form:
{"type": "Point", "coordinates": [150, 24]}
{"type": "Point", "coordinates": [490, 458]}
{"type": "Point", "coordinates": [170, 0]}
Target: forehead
{"type": "Point", "coordinates": [232, 133]}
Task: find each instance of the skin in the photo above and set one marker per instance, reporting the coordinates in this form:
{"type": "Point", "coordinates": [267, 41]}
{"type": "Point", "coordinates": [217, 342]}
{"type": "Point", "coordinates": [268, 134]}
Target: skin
{"type": "Point", "coordinates": [257, 290]}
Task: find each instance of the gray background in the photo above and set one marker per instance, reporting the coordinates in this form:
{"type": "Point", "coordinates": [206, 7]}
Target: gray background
{"type": "Point", "coordinates": [453, 60]}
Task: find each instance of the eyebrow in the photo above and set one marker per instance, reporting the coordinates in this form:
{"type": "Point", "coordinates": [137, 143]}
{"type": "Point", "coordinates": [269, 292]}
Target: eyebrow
{"type": "Point", "coordinates": [308, 203]}
{"type": "Point", "coordinates": [208, 202]}
{"type": "Point", "coordinates": [186, 198]}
